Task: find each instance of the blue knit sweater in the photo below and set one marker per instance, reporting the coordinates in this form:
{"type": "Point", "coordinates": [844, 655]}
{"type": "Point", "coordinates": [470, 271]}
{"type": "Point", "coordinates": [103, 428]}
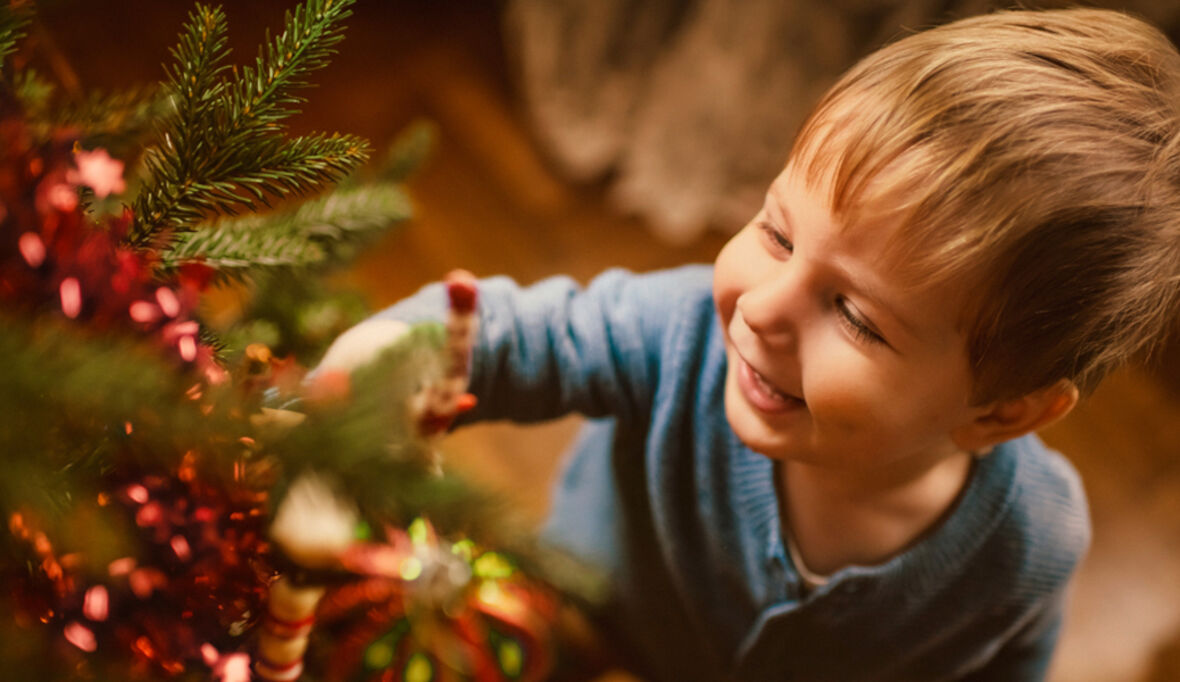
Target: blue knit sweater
{"type": "Point", "coordinates": [661, 494]}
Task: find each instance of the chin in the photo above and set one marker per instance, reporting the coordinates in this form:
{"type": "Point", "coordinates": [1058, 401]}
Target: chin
{"type": "Point", "coordinates": [752, 431]}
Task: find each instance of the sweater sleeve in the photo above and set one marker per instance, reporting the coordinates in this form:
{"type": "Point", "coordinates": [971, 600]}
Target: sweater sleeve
{"type": "Point", "coordinates": [555, 347]}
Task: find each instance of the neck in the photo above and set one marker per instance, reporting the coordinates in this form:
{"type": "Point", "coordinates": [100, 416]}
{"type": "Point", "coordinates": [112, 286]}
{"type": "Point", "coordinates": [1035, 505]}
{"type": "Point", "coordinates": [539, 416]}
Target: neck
{"type": "Point", "coordinates": [837, 519]}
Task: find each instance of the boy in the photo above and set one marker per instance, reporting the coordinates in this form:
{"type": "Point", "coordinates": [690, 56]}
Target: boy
{"type": "Point", "coordinates": [815, 460]}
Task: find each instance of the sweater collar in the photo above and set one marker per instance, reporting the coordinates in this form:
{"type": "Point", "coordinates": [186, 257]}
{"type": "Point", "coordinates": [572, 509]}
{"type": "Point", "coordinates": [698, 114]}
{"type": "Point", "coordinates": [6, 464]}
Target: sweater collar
{"type": "Point", "coordinates": [978, 509]}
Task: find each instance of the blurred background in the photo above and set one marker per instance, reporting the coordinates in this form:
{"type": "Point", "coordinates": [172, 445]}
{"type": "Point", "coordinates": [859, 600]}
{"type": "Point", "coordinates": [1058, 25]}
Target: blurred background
{"type": "Point", "coordinates": [576, 135]}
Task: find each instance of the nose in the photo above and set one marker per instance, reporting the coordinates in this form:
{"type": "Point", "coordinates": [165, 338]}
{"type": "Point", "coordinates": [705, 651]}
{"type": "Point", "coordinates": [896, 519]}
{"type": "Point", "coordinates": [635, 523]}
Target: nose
{"type": "Point", "coordinates": [775, 307]}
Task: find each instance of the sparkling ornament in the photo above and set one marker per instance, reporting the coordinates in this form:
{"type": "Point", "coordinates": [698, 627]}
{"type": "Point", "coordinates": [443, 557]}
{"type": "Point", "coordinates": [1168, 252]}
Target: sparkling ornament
{"type": "Point", "coordinates": [432, 610]}
{"type": "Point", "coordinates": [232, 667]}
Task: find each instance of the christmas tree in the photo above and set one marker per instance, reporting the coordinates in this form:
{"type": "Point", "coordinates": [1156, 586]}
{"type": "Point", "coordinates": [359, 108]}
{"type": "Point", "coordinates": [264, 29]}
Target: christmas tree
{"type": "Point", "coordinates": [174, 495]}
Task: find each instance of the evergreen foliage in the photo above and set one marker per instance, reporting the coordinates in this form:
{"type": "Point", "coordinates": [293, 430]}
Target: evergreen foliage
{"type": "Point", "coordinates": [219, 157]}
{"type": "Point", "coordinates": [312, 233]}
{"type": "Point", "coordinates": [222, 149]}
{"type": "Point", "coordinates": [117, 121]}
{"type": "Point", "coordinates": [66, 402]}
{"type": "Point", "coordinates": [111, 379]}
{"type": "Point", "coordinates": [14, 19]}
{"type": "Point", "coordinates": [408, 151]}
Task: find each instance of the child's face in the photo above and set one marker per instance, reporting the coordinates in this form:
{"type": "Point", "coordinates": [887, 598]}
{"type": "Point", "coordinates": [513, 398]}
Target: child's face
{"type": "Point", "coordinates": [831, 360]}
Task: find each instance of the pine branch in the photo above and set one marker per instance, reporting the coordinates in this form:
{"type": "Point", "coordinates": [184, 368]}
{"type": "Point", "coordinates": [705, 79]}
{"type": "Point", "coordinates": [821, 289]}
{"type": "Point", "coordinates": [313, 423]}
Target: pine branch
{"type": "Point", "coordinates": [14, 20]}
{"type": "Point", "coordinates": [369, 440]}
{"type": "Point", "coordinates": [265, 91]}
{"type": "Point", "coordinates": [353, 213]}
{"type": "Point", "coordinates": [49, 370]}
{"type": "Point", "coordinates": [193, 80]}
{"type": "Point", "coordinates": [311, 234]}
{"type": "Point", "coordinates": [229, 250]}
{"type": "Point", "coordinates": [117, 121]}
{"type": "Point", "coordinates": [223, 150]}
{"type": "Point", "coordinates": [106, 379]}
{"type": "Point", "coordinates": [194, 86]}
{"type": "Point", "coordinates": [32, 91]}
{"type": "Point", "coordinates": [277, 168]}
{"type": "Point", "coordinates": [125, 116]}
{"type": "Point", "coordinates": [68, 402]}
{"type": "Point", "coordinates": [408, 151]}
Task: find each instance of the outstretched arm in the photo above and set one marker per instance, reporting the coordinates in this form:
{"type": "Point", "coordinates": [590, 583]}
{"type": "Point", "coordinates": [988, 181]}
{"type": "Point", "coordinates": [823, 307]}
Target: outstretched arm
{"type": "Point", "coordinates": [554, 347]}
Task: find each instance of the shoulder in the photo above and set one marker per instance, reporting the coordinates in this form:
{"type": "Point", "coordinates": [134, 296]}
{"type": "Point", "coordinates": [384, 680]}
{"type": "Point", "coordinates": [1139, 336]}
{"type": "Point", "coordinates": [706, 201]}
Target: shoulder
{"type": "Point", "coordinates": [1046, 527]}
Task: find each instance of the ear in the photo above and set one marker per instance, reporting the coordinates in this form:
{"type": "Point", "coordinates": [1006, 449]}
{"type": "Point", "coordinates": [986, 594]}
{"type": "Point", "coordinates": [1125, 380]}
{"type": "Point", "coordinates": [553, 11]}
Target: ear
{"type": "Point", "coordinates": [1014, 417]}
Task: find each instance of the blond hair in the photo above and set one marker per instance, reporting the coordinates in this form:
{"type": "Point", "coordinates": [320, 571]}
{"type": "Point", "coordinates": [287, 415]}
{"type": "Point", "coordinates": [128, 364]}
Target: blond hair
{"type": "Point", "coordinates": [1034, 156]}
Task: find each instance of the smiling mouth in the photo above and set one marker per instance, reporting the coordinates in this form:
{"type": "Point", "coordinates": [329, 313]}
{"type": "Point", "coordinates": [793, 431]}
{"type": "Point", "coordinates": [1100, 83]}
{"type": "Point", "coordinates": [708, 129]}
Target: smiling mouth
{"type": "Point", "coordinates": [764, 395]}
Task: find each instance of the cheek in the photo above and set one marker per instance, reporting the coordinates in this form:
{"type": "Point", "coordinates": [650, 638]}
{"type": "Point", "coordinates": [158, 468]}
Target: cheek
{"type": "Point", "coordinates": [729, 277]}
{"type": "Point", "coordinates": [845, 409]}
{"type": "Point", "coordinates": [849, 396]}
{"type": "Point", "coordinates": [857, 400]}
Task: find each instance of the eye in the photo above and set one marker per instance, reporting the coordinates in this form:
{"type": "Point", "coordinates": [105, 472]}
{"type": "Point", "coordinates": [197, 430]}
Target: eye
{"type": "Point", "coordinates": [855, 324]}
{"type": "Point", "coordinates": [774, 238]}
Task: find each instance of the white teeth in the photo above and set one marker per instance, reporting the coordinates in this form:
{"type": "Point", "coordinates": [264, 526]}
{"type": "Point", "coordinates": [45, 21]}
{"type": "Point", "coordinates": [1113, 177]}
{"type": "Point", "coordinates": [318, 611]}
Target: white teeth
{"type": "Point", "coordinates": [771, 390]}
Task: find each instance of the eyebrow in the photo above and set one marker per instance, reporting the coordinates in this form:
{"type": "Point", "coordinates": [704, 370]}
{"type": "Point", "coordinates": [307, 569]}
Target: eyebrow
{"type": "Point", "coordinates": [868, 291]}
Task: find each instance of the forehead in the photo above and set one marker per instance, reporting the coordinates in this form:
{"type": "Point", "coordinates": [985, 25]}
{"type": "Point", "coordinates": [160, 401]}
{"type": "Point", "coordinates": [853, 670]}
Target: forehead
{"type": "Point", "coordinates": [878, 208]}
{"type": "Point", "coordinates": [907, 185]}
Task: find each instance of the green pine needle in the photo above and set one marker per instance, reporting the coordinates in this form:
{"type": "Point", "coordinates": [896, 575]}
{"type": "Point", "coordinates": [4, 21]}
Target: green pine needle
{"type": "Point", "coordinates": [13, 22]}
{"type": "Point", "coordinates": [313, 233]}
{"type": "Point", "coordinates": [293, 167]}
{"type": "Point", "coordinates": [226, 250]}
{"type": "Point", "coordinates": [117, 121]}
{"type": "Point", "coordinates": [199, 62]}
{"type": "Point", "coordinates": [265, 91]}
{"type": "Point", "coordinates": [408, 151]}
{"type": "Point", "coordinates": [223, 150]}
{"type": "Point", "coordinates": [369, 441]}
{"type": "Point", "coordinates": [68, 398]}
{"type": "Point", "coordinates": [32, 91]}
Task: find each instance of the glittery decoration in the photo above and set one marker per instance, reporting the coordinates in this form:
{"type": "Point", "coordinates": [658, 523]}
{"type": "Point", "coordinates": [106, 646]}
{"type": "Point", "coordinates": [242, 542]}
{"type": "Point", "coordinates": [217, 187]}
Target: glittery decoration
{"type": "Point", "coordinates": [32, 249]}
{"type": "Point", "coordinates": [71, 297]}
{"type": "Point", "coordinates": [97, 604]}
{"type": "Point", "coordinates": [192, 590]}
{"type": "Point", "coordinates": [80, 636]}
{"type": "Point", "coordinates": [232, 667]}
{"type": "Point", "coordinates": [144, 312]}
{"type": "Point", "coordinates": [99, 171]}
{"type": "Point", "coordinates": [430, 609]}
{"type": "Point", "coordinates": [199, 575]}
{"type": "Point", "coordinates": [66, 259]}
{"type": "Point", "coordinates": [169, 303]}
